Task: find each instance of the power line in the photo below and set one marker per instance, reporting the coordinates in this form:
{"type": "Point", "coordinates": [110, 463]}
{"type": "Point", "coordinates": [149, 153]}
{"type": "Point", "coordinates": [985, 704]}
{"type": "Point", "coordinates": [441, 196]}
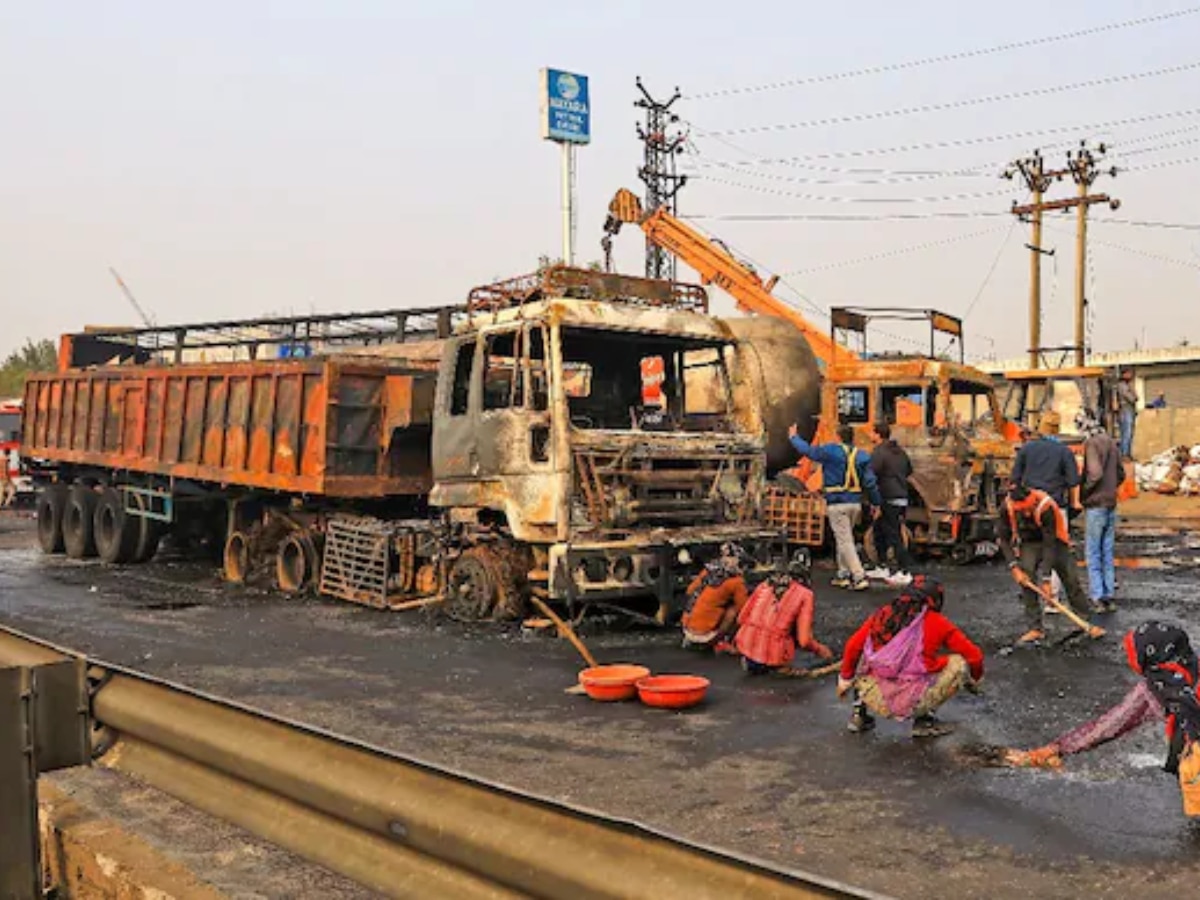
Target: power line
{"type": "Point", "coordinates": [962, 104]}
{"type": "Point", "coordinates": [991, 269]}
{"type": "Point", "coordinates": [899, 251]}
{"type": "Point", "coordinates": [885, 176]}
{"type": "Point", "coordinates": [945, 57]}
{"type": "Point", "coordinates": [819, 198]}
{"type": "Point", "coordinates": [943, 144]}
{"type": "Point", "coordinates": [1158, 257]}
{"type": "Point", "coordinates": [1171, 226]}
{"type": "Point", "coordinates": [844, 217]}
{"type": "Point", "coordinates": [1162, 164]}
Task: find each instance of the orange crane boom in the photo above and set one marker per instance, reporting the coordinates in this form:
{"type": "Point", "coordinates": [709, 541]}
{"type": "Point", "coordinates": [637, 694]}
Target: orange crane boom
{"type": "Point", "coordinates": [715, 265]}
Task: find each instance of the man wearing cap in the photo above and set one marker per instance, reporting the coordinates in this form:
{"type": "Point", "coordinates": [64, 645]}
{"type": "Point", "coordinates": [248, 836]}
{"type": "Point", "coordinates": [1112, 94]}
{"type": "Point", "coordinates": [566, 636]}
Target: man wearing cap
{"type": "Point", "coordinates": [1045, 464]}
{"type": "Point", "coordinates": [1127, 404]}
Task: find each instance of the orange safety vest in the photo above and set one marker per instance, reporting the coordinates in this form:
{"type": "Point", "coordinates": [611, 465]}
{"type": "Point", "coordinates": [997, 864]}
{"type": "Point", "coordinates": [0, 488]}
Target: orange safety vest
{"type": "Point", "coordinates": [1033, 507]}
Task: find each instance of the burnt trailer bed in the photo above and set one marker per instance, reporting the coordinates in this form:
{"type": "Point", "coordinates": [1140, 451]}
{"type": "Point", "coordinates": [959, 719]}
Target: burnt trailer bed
{"type": "Point", "coordinates": [340, 427]}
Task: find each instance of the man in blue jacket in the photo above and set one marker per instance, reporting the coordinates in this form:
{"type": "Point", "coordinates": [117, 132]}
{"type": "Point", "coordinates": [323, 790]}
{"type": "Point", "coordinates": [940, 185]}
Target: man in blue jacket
{"type": "Point", "coordinates": [847, 474]}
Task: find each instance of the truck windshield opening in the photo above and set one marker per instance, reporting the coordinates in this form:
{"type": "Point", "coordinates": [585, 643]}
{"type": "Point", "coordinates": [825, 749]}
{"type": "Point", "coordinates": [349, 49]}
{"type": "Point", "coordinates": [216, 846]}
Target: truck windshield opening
{"type": "Point", "coordinates": [623, 381]}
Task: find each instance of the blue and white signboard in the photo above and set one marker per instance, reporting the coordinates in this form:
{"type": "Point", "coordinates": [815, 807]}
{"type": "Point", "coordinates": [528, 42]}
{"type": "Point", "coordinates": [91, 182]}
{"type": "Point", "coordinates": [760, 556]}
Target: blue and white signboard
{"type": "Point", "coordinates": [566, 107]}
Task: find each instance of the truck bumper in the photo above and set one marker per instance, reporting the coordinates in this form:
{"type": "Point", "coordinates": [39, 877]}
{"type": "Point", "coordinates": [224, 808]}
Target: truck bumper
{"type": "Point", "coordinates": [656, 565]}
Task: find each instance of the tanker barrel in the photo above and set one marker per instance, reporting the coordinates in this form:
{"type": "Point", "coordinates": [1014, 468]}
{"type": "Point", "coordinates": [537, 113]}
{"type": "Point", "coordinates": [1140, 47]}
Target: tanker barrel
{"type": "Point", "coordinates": [780, 367]}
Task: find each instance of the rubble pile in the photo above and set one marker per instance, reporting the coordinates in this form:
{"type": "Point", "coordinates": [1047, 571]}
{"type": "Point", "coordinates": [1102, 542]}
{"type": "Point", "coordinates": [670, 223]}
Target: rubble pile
{"type": "Point", "coordinates": [1174, 471]}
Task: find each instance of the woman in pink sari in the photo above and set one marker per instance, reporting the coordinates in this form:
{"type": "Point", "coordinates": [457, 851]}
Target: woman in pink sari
{"type": "Point", "coordinates": [908, 659]}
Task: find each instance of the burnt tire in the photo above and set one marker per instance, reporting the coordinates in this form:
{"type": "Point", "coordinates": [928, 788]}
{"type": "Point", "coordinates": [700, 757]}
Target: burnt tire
{"type": "Point", "coordinates": [473, 588]}
{"type": "Point", "coordinates": [236, 557]}
{"type": "Point", "coordinates": [115, 531]}
{"type": "Point", "coordinates": [296, 563]}
{"type": "Point", "coordinates": [79, 537]}
{"type": "Point", "coordinates": [51, 508]}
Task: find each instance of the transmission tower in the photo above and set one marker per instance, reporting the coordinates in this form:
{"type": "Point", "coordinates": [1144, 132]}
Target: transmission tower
{"type": "Point", "coordinates": [662, 142]}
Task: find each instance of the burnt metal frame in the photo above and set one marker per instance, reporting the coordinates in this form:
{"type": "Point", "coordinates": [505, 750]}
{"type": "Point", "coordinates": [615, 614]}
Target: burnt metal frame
{"type": "Point", "coordinates": [586, 284]}
{"type": "Point", "coordinates": [846, 320]}
{"type": "Point", "coordinates": [323, 329]}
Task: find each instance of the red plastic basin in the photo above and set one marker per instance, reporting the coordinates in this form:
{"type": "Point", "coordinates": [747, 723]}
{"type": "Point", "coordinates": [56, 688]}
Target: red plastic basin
{"type": "Point", "coordinates": [672, 691]}
{"type": "Point", "coordinates": [608, 683]}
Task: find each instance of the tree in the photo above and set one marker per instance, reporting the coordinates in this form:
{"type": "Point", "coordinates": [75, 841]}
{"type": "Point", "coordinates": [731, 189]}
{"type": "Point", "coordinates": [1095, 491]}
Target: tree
{"type": "Point", "coordinates": [35, 356]}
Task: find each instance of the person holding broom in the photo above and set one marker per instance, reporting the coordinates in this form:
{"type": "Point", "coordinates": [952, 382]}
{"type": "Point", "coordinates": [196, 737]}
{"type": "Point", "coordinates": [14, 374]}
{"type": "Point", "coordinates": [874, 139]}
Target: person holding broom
{"type": "Point", "coordinates": [1162, 655]}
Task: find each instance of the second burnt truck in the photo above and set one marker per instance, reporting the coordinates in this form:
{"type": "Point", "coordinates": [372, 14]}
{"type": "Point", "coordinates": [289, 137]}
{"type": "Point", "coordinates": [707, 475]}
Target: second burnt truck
{"type": "Point", "coordinates": [575, 435]}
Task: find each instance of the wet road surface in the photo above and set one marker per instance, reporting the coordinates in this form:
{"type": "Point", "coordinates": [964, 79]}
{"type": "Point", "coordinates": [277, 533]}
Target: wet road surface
{"type": "Point", "coordinates": [765, 767]}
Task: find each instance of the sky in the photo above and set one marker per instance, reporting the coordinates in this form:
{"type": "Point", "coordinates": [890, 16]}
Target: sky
{"type": "Point", "coordinates": [250, 158]}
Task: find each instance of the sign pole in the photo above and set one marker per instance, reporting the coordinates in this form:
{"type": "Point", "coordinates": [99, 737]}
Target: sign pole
{"type": "Point", "coordinates": [566, 114]}
{"type": "Point", "coordinates": [568, 203]}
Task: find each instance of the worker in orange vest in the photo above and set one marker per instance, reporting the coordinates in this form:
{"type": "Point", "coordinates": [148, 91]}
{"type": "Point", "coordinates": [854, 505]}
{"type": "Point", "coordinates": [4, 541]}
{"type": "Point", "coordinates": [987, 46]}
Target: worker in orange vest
{"type": "Point", "coordinates": [1033, 535]}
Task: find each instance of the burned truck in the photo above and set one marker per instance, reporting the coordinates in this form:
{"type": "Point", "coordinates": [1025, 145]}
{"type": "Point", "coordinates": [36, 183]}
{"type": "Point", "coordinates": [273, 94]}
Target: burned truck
{"type": "Point", "coordinates": [583, 437]}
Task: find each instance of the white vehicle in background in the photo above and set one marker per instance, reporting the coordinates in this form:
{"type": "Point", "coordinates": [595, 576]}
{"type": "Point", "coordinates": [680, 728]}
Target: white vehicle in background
{"type": "Point", "coordinates": [10, 440]}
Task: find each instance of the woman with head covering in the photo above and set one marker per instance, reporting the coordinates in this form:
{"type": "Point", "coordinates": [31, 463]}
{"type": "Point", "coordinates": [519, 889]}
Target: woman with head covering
{"type": "Point", "coordinates": [714, 599]}
{"type": "Point", "coordinates": [778, 620]}
{"type": "Point", "coordinates": [1162, 655]}
{"type": "Point", "coordinates": [908, 659]}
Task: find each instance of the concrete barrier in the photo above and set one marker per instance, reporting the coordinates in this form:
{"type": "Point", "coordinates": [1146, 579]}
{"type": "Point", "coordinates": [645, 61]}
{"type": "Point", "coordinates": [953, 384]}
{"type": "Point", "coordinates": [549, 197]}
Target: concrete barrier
{"type": "Point", "coordinates": [86, 854]}
{"type": "Point", "coordinates": [1158, 429]}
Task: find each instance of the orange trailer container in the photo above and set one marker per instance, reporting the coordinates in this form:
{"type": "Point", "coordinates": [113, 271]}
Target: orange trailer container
{"type": "Point", "coordinates": [335, 426]}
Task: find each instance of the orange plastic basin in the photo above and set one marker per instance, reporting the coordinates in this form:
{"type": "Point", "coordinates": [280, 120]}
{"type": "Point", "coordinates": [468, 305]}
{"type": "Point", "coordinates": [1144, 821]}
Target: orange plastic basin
{"type": "Point", "coordinates": [607, 683]}
{"type": "Point", "coordinates": [672, 691]}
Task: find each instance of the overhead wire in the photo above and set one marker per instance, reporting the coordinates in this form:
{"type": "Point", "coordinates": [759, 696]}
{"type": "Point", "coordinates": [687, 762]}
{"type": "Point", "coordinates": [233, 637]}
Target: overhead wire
{"type": "Point", "coordinates": [1158, 257]}
{"type": "Point", "coordinates": [991, 270]}
{"type": "Point", "coordinates": [818, 198]}
{"type": "Point", "coordinates": [889, 254]}
{"type": "Point", "coordinates": [942, 144]}
{"type": "Point", "coordinates": [965, 103]}
{"type": "Point", "coordinates": [945, 57]}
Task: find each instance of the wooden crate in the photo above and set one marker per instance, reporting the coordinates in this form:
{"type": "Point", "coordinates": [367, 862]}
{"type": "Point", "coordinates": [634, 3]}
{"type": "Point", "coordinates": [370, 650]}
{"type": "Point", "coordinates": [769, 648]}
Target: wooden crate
{"type": "Point", "coordinates": [800, 516]}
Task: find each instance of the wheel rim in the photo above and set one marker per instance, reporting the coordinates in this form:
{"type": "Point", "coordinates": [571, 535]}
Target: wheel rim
{"type": "Point", "coordinates": [292, 566]}
{"type": "Point", "coordinates": [237, 558]}
{"type": "Point", "coordinates": [472, 595]}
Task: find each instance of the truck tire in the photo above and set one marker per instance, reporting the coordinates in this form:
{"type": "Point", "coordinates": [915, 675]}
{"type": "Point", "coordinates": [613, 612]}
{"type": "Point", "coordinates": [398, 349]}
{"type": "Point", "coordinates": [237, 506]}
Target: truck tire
{"type": "Point", "coordinates": [79, 538]}
{"type": "Point", "coordinates": [116, 533]}
{"type": "Point", "coordinates": [149, 533]}
{"type": "Point", "coordinates": [51, 505]}
{"type": "Point", "coordinates": [474, 586]}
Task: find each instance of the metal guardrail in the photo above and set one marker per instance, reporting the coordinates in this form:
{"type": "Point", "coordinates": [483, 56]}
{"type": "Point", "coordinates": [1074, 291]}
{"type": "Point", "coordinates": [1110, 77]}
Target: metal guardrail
{"type": "Point", "coordinates": [395, 824]}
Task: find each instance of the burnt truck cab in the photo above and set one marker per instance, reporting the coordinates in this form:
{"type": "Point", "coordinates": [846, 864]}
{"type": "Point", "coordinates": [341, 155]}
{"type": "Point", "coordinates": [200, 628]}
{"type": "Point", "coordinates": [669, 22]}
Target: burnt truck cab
{"type": "Point", "coordinates": [943, 412]}
{"type": "Point", "coordinates": [596, 430]}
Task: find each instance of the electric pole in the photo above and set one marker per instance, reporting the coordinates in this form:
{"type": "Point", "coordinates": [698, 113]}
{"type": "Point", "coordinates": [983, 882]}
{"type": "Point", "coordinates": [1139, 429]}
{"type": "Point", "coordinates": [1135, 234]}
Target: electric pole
{"type": "Point", "coordinates": [1032, 170]}
{"type": "Point", "coordinates": [1084, 166]}
{"type": "Point", "coordinates": [661, 142]}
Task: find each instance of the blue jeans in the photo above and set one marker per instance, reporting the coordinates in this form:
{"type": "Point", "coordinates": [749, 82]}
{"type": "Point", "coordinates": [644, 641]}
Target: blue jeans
{"type": "Point", "coordinates": [1101, 536]}
{"type": "Point", "coordinates": [1128, 424]}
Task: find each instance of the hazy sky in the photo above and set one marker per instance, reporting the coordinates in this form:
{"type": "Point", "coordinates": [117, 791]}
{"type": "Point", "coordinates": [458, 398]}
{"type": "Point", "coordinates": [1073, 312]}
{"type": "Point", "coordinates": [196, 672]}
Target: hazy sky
{"type": "Point", "coordinates": [255, 157]}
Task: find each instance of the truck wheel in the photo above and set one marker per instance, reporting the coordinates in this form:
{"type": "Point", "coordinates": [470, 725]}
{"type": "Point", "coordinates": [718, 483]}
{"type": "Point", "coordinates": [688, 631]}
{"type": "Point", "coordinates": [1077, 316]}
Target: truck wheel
{"type": "Point", "coordinates": [116, 533]}
{"type": "Point", "coordinates": [237, 557]}
{"type": "Point", "coordinates": [149, 533]}
{"type": "Point", "coordinates": [295, 563]}
{"type": "Point", "coordinates": [51, 505]}
{"type": "Point", "coordinates": [79, 536]}
{"type": "Point", "coordinates": [474, 586]}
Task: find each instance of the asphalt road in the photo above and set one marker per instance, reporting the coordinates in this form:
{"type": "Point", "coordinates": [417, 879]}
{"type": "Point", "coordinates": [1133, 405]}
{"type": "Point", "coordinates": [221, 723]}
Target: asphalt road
{"type": "Point", "coordinates": [765, 767]}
